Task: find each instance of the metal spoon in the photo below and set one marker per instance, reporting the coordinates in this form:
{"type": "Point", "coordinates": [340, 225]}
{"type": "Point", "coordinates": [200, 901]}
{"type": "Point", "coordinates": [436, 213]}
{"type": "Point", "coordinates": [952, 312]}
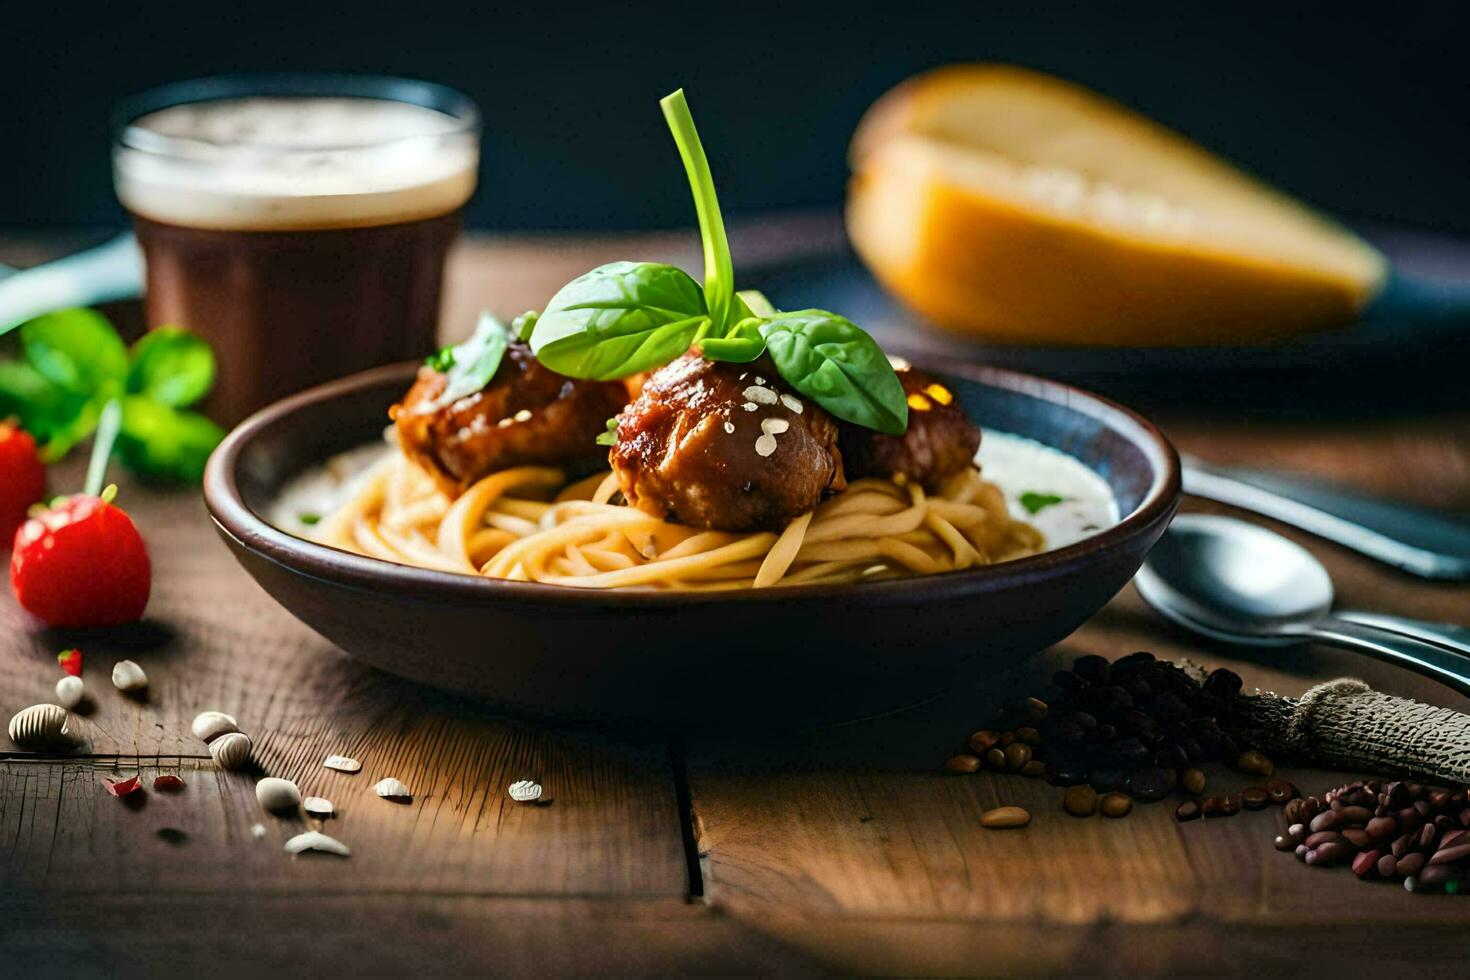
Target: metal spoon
{"type": "Point", "coordinates": [1239, 582]}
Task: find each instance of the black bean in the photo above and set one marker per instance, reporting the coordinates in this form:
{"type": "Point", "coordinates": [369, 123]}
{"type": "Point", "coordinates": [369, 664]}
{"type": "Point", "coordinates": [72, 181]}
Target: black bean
{"type": "Point", "coordinates": [1092, 668]}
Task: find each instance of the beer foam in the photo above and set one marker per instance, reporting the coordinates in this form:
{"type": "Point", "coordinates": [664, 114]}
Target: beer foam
{"type": "Point", "coordinates": [283, 164]}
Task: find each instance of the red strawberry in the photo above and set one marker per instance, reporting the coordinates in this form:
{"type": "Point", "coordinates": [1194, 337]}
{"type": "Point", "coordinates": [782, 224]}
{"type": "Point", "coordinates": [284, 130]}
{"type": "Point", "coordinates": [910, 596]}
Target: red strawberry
{"type": "Point", "coordinates": [81, 563]}
{"type": "Point", "coordinates": [22, 479]}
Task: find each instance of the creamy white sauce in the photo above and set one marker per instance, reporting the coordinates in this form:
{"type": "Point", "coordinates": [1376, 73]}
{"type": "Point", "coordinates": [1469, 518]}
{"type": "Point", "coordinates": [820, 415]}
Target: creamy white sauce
{"type": "Point", "coordinates": [1022, 467]}
{"type": "Point", "coordinates": [315, 492]}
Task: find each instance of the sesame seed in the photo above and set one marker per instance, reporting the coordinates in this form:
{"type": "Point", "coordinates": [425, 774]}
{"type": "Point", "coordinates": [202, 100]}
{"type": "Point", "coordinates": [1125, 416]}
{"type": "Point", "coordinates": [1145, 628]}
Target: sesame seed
{"type": "Point", "coordinates": [764, 396]}
{"type": "Point", "coordinates": [765, 445]}
{"type": "Point", "coordinates": [729, 426]}
{"type": "Point", "coordinates": [792, 402]}
{"type": "Point", "coordinates": [750, 406]}
{"type": "Point", "coordinates": [742, 375]}
{"type": "Point", "coordinates": [774, 427]}
{"type": "Point", "coordinates": [503, 423]}
{"type": "Point", "coordinates": [524, 415]}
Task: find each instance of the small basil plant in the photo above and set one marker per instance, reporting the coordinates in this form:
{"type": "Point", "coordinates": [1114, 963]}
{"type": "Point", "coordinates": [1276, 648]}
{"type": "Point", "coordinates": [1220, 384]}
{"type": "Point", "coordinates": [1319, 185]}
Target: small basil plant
{"type": "Point", "coordinates": [626, 317]}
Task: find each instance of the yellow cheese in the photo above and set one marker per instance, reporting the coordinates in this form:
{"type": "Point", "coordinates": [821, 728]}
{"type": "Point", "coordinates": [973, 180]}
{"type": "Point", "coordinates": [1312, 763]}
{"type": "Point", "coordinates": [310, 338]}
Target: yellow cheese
{"type": "Point", "coordinates": [1013, 206]}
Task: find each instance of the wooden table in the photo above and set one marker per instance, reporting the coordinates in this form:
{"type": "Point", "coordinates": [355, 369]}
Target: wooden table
{"type": "Point", "coordinates": [847, 849]}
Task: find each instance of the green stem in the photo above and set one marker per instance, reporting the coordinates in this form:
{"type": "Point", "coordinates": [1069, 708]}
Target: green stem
{"type": "Point", "coordinates": [719, 271]}
{"type": "Point", "coordinates": [107, 428]}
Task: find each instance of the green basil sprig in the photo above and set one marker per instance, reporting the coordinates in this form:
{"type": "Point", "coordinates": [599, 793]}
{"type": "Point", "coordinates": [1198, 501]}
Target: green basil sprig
{"type": "Point", "coordinates": [471, 365]}
{"type": "Point", "coordinates": [627, 317]}
{"type": "Point", "coordinates": [73, 364]}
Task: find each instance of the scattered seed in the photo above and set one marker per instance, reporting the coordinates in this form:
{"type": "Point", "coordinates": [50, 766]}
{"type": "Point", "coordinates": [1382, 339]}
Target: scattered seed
{"type": "Point", "coordinates": [750, 406]}
{"type": "Point", "coordinates": [1281, 791]}
{"type": "Point", "coordinates": [525, 791]}
{"type": "Point", "coordinates": [318, 806]}
{"type": "Point", "coordinates": [1034, 769]}
{"type": "Point", "coordinates": [1080, 800]}
{"type": "Point", "coordinates": [1017, 755]}
{"type": "Point", "coordinates": [760, 395]}
{"type": "Point", "coordinates": [765, 445]}
{"type": "Point", "coordinates": [392, 789]}
{"type": "Point", "coordinates": [167, 783]}
{"type": "Point", "coordinates": [962, 763]}
{"type": "Point", "coordinates": [1254, 762]}
{"type": "Point", "coordinates": [275, 793]}
{"type": "Point", "coordinates": [983, 739]}
{"type": "Point", "coordinates": [524, 415]}
{"type": "Point", "coordinates": [1005, 817]}
{"type": "Point", "coordinates": [1255, 798]}
{"type": "Point", "coordinates": [210, 725]}
{"type": "Point", "coordinates": [1188, 810]}
{"type": "Point", "coordinates": [231, 751]}
{"type": "Point", "coordinates": [774, 426]}
{"type": "Point", "coordinates": [128, 676]}
{"type": "Point", "coordinates": [257, 830]}
{"type": "Point", "coordinates": [1194, 780]}
{"type": "Point", "coordinates": [1115, 805]}
{"type": "Point", "coordinates": [69, 691]}
{"type": "Point", "coordinates": [41, 726]}
{"type": "Point", "coordinates": [315, 840]}
{"type": "Point", "coordinates": [342, 763]}
{"type": "Point", "coordinates": [729, 427]}
{"type": "Point", "coordinates": [792, 403]}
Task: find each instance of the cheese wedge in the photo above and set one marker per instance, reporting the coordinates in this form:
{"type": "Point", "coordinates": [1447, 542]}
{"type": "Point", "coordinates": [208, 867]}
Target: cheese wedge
{"type": "Point", "coordinates": [1016, 207]}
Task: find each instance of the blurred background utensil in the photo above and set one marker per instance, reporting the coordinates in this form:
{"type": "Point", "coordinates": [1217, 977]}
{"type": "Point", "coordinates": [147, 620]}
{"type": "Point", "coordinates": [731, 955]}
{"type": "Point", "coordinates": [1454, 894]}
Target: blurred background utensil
{"type": "Point", "coordinates": [1418, 541]}
{"type": "Point", "coordinates": [1242, 583]}
{"type": "Point", "coordinates": [110, 271]}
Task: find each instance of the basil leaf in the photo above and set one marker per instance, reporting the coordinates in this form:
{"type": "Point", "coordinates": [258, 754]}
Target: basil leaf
{"type": "Point", "coordinates": [619, 319]}
{"type": "Point", "coordinates": [78, 351]}
{"type": "Point", "coordinates": [835, 363]}
{"type": "Point", "coordinates": [753, 302]}
{"type": "Point", "coordinates": [610, 436]}
{"type": "Point", "coordinates": [522, 325]}
{"type": "Point", "coordinates": [164, 442]}
{"type": "Point", "coordinates": [741, 345]}
{"type": "Point", "coordinates": [172, 366]}
{"type": "Point", "coordinates": [472, 364]}
{"type": "Point", "coordinates": [1035, 502]}
{"type": "Point", "coordinates": [42, 408]}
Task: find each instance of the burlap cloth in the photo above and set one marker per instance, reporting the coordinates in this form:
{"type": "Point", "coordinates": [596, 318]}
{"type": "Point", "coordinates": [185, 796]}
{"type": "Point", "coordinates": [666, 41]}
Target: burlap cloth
{"type": "Point", "coordinates": [1345, 724]}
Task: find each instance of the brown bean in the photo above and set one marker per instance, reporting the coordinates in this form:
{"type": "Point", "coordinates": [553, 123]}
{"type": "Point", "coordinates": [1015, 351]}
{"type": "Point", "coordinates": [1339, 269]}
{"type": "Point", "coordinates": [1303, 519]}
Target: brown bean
{"type": "Point", "coordinates": [1116, 805]}
{"type": "Point", "coordinates": [1297, 832]}
{"type": "Point", "coordinates": [1194, 780]}
{"type": "Point", "coordinates": [1357, 836]}
{"type": "Point", "coordinates": [1255, 798]}
{"type": "Point", "coordinates": [1080, 800]}
{"type": "Point", "coordinates": [1301, 852]}
{"type": "Point", "coordinates": [983, 739]}
{"type": "Point", "coordinates": [1382, 828]}
{"type": "Point", "coordinates": [1188, 810]}
{"type": "Point", "coordinates": [1365, 864]}
{"type": "Point", "coordinates": [1323, 837]}
{"type": "Point", "coordinates": [1034, 709]}
{"type": "Point", "coordinates": [1028, 735]}
{"type": "Point", "coordinates": [1327, 820]}
{"type": "Point", "coordinates": [1356, 816]}
{"type": "Point", "coordinates": [1281, 791]}
{"type": "Point", "coordinates": [1293, 811]}
{"type": "Point", "coordinates": [962, 763]}
{"type": "Point", "coordinates": [1284, 843]}
{"type": "Point", "coordinates": [1403, 845]}
{"type": "Point", "coordinates": [1017, 755]}
{"type": "Point", "coordinates": [995, 758]}
{"type": "Point", "coordinates": [1412, 864]}
{"type": "Point", "coordinates": [1034, 769]}
{"type": "Point", "coordinates": [1222, 806]}
{"type": "Point", "coordinates": [1005, 818]}
{"type": "Point", "coordinates": [1330, 853]}
{"type": "Point", "coordinates": [1451, 855]}
{"type": "Point", "coordinates": [1254, 762]}
{"type": "Point", "coordinates": [1388, 866]}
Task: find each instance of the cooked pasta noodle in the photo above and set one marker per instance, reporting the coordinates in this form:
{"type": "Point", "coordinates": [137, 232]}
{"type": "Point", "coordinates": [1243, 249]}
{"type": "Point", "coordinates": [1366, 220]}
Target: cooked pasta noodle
{"type": "Point", "coordinates": [528, 524]}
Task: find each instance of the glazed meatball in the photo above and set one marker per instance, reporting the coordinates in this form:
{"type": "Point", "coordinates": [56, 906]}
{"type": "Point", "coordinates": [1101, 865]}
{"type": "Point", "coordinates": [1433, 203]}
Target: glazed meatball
{"type": "Point", "coordinates": [726, 446]}
{"type": "Point", "coordinates": [528, 415]}
{"type": "Point", "coordinates": [940, 442]}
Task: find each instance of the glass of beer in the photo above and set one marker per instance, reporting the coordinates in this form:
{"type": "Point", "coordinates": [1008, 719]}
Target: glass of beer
{"type": "Point", "coordinates": [298, 223]}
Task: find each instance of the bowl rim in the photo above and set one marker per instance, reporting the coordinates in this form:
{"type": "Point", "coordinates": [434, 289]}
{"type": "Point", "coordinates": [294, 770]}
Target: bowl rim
{"type": "Point", "coordinates": [251, 531]}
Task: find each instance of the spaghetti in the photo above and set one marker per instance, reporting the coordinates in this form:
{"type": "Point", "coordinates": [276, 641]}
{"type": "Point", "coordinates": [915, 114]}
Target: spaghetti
{"type": "Point", "coordinates": [528, 524]}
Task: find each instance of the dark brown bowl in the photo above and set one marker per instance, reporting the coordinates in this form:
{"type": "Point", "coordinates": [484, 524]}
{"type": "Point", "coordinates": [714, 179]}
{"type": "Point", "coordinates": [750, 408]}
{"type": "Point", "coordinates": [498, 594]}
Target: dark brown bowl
{"type": "Point", "coordinates": [774, 657]}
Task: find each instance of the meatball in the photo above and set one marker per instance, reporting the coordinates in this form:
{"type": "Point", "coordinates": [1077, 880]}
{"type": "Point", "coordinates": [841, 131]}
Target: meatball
{"type": "Point", "coordinates": [940, 442]}
{"type": "Point", "coordinates": [527, 415]}
{"type": "Point", "coordinates": [727, 446]}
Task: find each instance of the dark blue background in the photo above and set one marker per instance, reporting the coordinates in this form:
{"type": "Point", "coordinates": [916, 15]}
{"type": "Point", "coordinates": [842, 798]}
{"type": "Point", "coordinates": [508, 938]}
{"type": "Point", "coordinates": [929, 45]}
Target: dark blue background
{"type": "Point", "coordinates": [1364, 115]}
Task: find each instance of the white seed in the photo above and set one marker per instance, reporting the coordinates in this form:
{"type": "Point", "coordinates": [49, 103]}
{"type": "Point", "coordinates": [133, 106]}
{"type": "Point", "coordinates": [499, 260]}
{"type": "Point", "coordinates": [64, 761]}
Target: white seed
{"type": "Point", "coordinates": [128, 676]}
{"type": "Point", "coordinates": [40, 726]}
{"type": "Point", "coordinates": [898, 363]}
{"type": "Point", "coordinates": [760, 395]}
{"type": "Point", "coordinates": [525, 791]}
{"type": "Point", "coordinates": [318, 806]}
{"type": "Point", "coordinates": [524, 415]}
{"type": "Point", "coordinates": [774, 427]}
{"type": "Point", "coordinates": [792, 402]}
{"type": "Point", "coordinates": [275, 793]}
{"type": "Point", "coordinates": [750, 406]}
{"type": "Point", "coordinates": [392, 789]}
{"type": "Point", "coordinates": [729, 427]}
{"type": "Point", "coordinates": [505, 423]}
{"type": "Point", "coordinates": [231, 750]}
{"type": "Point", "coordinates": [759, 380]}
{"type": "Point", "coordinates": [342, 763]}
{"type": "Point", "coordinates": [315, 840]}
{"type": "Point", "coordinates": [210, 725]}
{"type": "Point", "coordinates": [765, 445]}
{"type": "Point", "coordinates": [69, 691]}
{"type": "Point", "coordinates": [257, 830]}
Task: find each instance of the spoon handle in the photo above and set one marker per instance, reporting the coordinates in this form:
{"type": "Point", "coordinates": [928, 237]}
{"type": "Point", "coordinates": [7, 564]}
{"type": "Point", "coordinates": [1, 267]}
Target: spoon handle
{"type": "Point", "coordinates": [1440, 663]}
{"type": "Point", "coordinates": [1443, 634]}
{"type": "Point", "coordinates": [1418, 541]}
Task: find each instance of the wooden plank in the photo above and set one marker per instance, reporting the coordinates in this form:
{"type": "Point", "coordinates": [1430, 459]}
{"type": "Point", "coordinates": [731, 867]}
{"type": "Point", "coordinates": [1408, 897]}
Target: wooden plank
{"type": "Point", "coordinates": [214, 640]}
{"type": "Point", "coordinates": [298, 933]}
